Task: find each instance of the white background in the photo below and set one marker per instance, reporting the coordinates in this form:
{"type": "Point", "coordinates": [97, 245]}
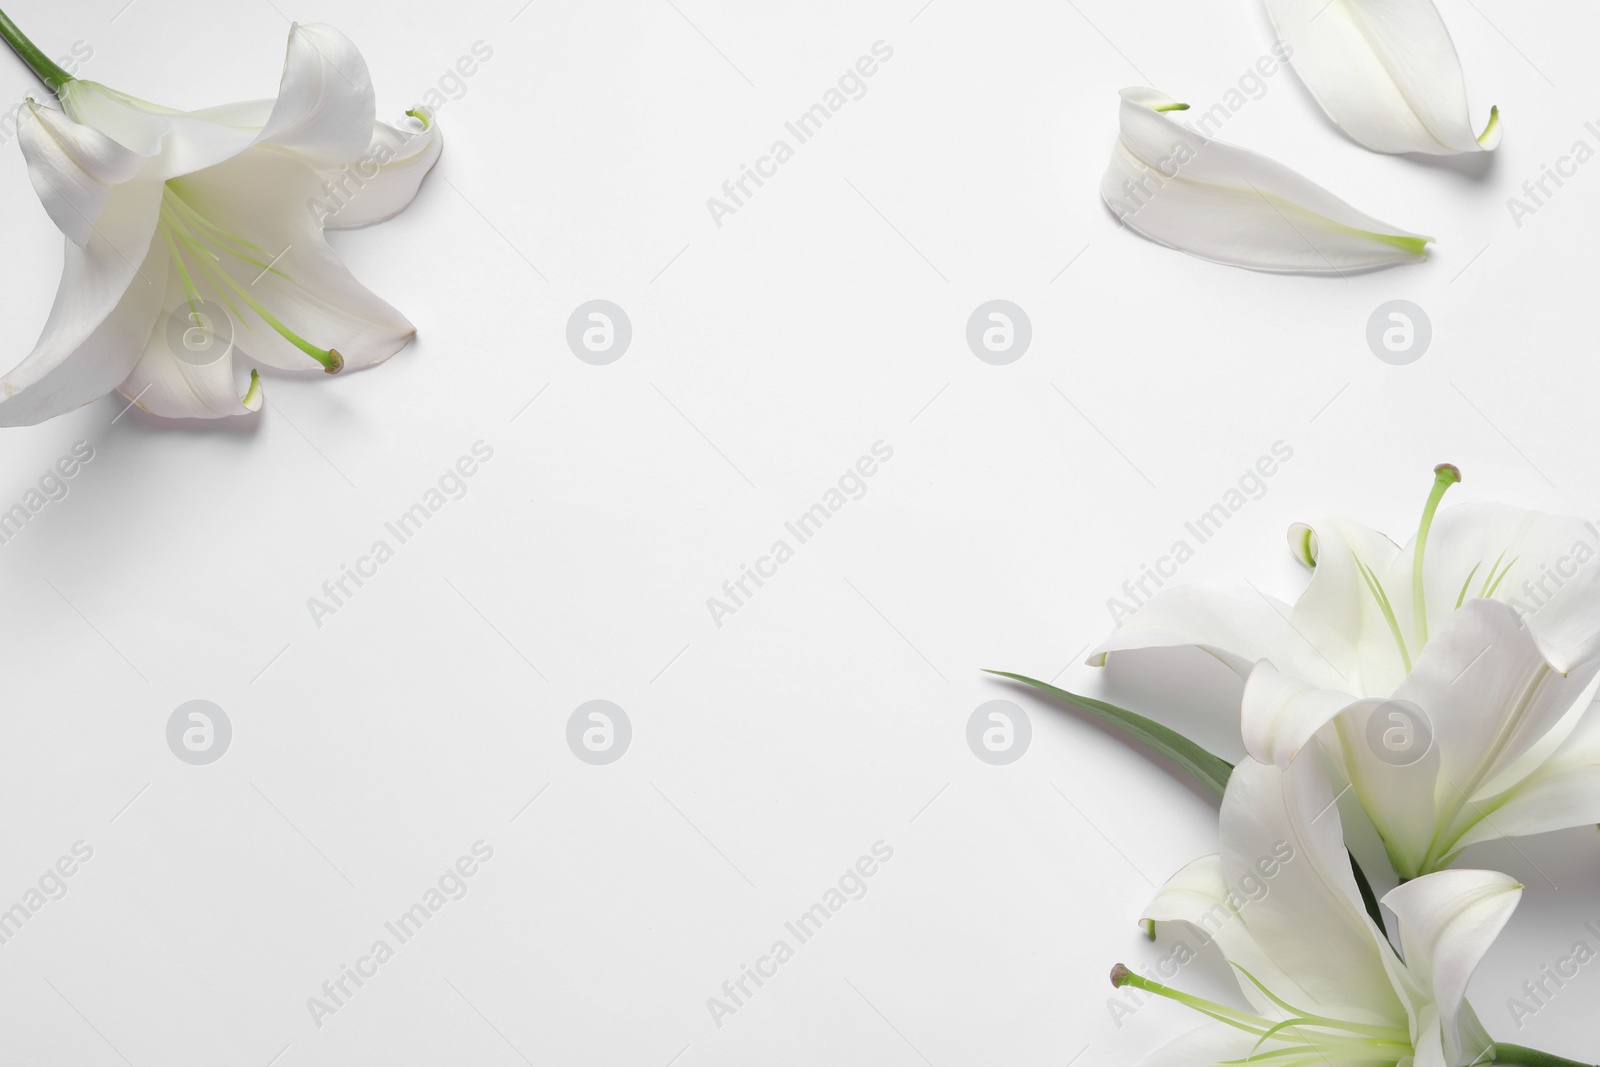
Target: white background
{"type": "Point", "coordinates": [829, 713]}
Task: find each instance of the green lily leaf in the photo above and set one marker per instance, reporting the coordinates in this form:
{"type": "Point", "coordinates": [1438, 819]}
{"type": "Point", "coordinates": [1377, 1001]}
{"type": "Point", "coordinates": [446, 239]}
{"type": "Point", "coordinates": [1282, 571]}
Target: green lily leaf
{"type": "Point", "coordinates": [1211, 771]}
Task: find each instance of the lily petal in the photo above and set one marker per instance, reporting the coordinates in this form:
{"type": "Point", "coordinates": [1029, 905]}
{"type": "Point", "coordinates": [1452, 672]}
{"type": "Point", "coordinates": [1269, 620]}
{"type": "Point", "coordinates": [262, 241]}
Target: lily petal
{"type": "Point", "coordinates": [1546, 566]}
{"type": "Point", "coordinates": [1281, 714]}
{"type": "Point", "coordinates": [261, 197]}
{"type": "Point", "coordinates": [1487, 697]}
{"type": "Point", "coordinates": [1307, 937]}
{"type": "Point", "coordinates": [1493, 695]}
{"type": "Point", "coordinates": [388, 175]}
{"type": "Point", "coordinates": [1448, 921]}
{"type": "Point", "coordinates": [1341, 611]}
{"type": "Point", "coordinates": [171, 142]}
{"type": "Point", "coordinates": [1312, 916]}
{"type": "Point", "coordinates": [1400, 793]}
{"type": "Point", "coordinates": [323, 113]}
{"type": "Point", "coordinates": [173, 389]}
{"type": "Point", "coordinates": [1233, 621]}
{"type": "Point", "coordinates": [72, 167]}
{"type": "Point", "coordinates": [1385, 71]}
{"type": "Point", "coordinates": [1199, 895]}
{"type": "Point", "coordinates": [325, 107]}
{"type": "Point", "coordinates": [109, 296]}
{"type": "Point", "coordinates": [1233, 206]}
{"type": "Point", "coordinates": [180, 378]}
{"type": "Point", "coordinates": [1563, 792]}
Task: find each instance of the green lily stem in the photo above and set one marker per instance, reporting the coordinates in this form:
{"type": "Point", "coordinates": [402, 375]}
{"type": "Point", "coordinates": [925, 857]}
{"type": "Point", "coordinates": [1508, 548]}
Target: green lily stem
{"type": "Point", "coordinates": [1521, 1056]}
{"type": "Point", "coordinates": [41, 64]}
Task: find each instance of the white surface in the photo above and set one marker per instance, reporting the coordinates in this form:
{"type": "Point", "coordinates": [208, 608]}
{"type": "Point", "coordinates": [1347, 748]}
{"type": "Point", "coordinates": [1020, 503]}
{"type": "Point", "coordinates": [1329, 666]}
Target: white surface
{"type": "Point", "coordinates": [827, 714]}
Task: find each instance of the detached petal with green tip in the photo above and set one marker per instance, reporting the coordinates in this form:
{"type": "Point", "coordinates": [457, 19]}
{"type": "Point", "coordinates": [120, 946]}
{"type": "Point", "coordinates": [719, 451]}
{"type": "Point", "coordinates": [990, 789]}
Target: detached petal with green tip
{"type": "Point", "coordinates": [1233, 206]}
{"type": "Point", "coordinates": [1385, 71]}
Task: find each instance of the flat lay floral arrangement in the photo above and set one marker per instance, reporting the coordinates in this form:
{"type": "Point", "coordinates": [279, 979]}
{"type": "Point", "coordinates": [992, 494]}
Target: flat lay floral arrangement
{"type": "Point", "coordinates": [1431, 696]}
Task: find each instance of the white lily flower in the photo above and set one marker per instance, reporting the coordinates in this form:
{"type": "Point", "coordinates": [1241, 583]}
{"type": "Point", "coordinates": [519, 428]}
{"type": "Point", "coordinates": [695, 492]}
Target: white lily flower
{"type": "Point", "coordinates": [1233, 206]}
{"type": "Point", "coordinates": [1324, 984]}
{"type": "Point", "coordinates": [1451, 680]}
{"type": "Point", "coordinates": [193, 235]}
{"type": "Point", "coordinates": [1385, 71]}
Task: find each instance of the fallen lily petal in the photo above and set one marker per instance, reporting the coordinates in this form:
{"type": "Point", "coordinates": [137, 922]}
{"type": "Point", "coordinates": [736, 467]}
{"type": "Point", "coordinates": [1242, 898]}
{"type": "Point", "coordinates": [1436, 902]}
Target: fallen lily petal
{"type": "Point", "coordinates": [195, 235]}
{"type": "Point", "coordinates": [1233, 206]}
{"type": "Point", "coordinates": [1385, 71]}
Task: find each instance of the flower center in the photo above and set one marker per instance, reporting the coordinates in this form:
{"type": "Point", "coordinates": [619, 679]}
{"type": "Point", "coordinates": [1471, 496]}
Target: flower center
{"type": "Point", "coordinates": [1300, 1038]}
{"type": "Point", "coordinates": [190, 235]}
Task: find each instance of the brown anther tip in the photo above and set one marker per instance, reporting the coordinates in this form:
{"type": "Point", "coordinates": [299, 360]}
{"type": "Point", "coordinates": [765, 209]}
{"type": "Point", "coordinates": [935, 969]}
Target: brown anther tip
{"type": "Point", "coordinates": [1455, 471]}
{"type": "Point", "coordinates": [1119, 976]}
{"type": "Point", "coordinates": [335, 362]}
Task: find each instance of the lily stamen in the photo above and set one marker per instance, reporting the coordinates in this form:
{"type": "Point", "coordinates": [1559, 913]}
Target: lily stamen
{"type": "Point", "coordinates": [1492, 584]}
{"type": "Point", "coordinates": [1445, 475]}
{"type": "Point", "coordinates": [1375, 587]}
{"type": "Point", "coordinates": [1318, 1034]}
{"type": "Point", "coordinates": [1253, 1024]}
{"type": "Point", "coordinates": [173, 199]}
{"type": "Point", "coordinates": [181, 220]}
